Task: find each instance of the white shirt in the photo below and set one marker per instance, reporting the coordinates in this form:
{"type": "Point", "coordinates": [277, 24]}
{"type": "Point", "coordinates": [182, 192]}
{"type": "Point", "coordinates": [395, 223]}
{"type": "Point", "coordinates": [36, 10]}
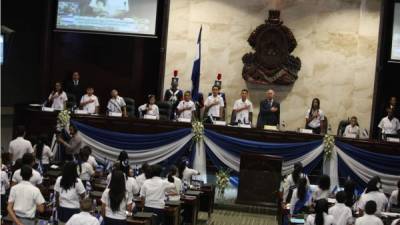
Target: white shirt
{"type": "Point", "coordinates": [70, 198]}
{"type": "Point", "coordinates": [215, 109]}
{"type": "Point", "coordinates": [395, 222]}
{"type": "Point", "coordinates": [25, 197]}
{"type": "Point", "coordinates": [5, 182]}
{"type": "Point", "coordinates": [83, 218]}
{"type": "Point", "coordinates": [178, 184]}
{"type": "Point", "coordinates": [393, 199]}
{"type": "Point", "coordinates": [320, 194]}
{"type": "Point", "coordinates": [341, 213]}
{"type": "Point", "coordinates": [36, 178]}
{"type": "Point", "coordinates": [295, 198]}
{"type": "Point", "coordinates": [87, 171]}
{"type": "Point", "coordinates": [131, 184]}
{"type": "Point", "coordinates": [187, 113]}
{"type": "Point", "coordinates": [153, 110]}
{"type": "Point", "coordinates": [389, 126]}
{"type": "Point", "coordinates": [92, 161]}
{"type": "Point", "coordinates": [328, 220]}
{"type": "Point", "coordinates": [350, 130]}
{"type": "Point", "coordinates": [289, 182]}
{"type": "Point", "coordinates": [116, 104]}
{"type": "Point", "coordinates": [121, 213]}
{"type": "Point", "coordinates": [316, 122]}
{"type": "Point", "coordinates": [378, 197]}
{"type": "Point", "coordinates": [58, 100]}
{"type": "Point", "coordinates": [188, 173]}
{"type": "Point", "coordinates": [368, 220]}
{"type": "Point", "coordinates": [140, 180]}
{"type": "Point", "coordinates": [46, 155]}
{"type": "Point", "coordinates": [90, 107]}
{"type": "Point", "coordinates": [153, 190]}
{"type": "Point", "coordinates": [243, 115]}
{"type": "Point", "coordinates": [18, 147]}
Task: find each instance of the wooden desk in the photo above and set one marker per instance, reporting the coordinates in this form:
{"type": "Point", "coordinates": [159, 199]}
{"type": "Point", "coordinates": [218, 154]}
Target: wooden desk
{"type": "Point", "coordinates": [172, 213]}
{"type": "Point", "coordinates": [191, 209]}
{"type": "Point", "coordinates": [38, 122]}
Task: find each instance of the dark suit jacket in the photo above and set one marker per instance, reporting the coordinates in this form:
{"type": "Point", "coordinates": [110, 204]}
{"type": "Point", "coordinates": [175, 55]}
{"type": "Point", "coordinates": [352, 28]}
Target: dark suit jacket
{"type": "Point", "coordinates": [76, 90]}
{"type": "Point", "coordinates": [266, 117]}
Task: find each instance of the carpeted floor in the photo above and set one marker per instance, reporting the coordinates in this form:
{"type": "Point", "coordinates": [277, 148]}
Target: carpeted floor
{"type": "Point", "coordinates": [227, 217]}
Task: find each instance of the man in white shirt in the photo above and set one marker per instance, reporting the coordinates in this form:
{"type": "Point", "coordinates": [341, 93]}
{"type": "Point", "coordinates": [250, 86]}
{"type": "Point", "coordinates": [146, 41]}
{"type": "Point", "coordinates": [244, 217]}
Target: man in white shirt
{"type": "Point", "coordinates": [90, 102]}
{"type": "Point", "coordinates": [369, 217]}
{"type": "Point", "coordinates": [389, 125]}
{"type": "Point", "coordinates": [58, 98]}
{"type": "Point", "coordinates": [340, 211]}
{"type": "Point", "coordinates": [24, 199]}
{"type": "Point", "coordinates": [153, 191]}
{"type": "Point", "coordinates": [35, 179]}
{"type": "Point", "coordinates": [186, 108]}
{"type": "Point", "coordinates": [19, 146]}
{"type": "Point", "coordinates": [215, 105]}
{"type": "Point", "coordinates": [84, 217]}
{"type": "Point", "coordinates": [243, 109]}
{"type": "Point", "coordinates": [116, 104]}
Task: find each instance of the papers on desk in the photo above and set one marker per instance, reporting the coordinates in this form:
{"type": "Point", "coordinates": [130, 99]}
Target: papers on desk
{"type": "Point", "coordinates": [47, 109]}
{"type": "Point", "coordinates": [54, 167]}
{"type": "Point", "coordinates": [390, 214]}
{"type": "Point", "coordinates": [149, 117]}
{"type": "Point", "coordinates": [353, 136]}
{"type": "Point", "coordinates": [81, 112]}
{"type": "Point", "coordinates": [115, 114]}
{"type": "Point", "coordinates": [267, 127]}
{"type": "Point", "coordinates": [306, 131]}
{"type": "Point", "coordinates": [35, 105]}
{"type": "Point", "coordinates": [184, 120]}
{"type": "Point", "coordinates": [331, 200]}
{"type": "Point", "coordinates": [219, 123]}
{"type": "Point", "coordinates": [241, 125]}
{"type": "Point", "coordinates": [391, 139]}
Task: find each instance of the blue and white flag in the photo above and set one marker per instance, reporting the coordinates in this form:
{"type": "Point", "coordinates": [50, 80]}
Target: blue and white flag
{"type": "Point", "coordinates": [196, 70]}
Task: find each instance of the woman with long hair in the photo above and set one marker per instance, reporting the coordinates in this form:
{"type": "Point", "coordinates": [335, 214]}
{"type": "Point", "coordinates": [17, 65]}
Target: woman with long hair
{"type": "Point", "coordinates": [314, 117]}
{"type": "Point", "coordinates": [186, 173]}
{"type": "Point", "coordinates": [323, 190]}
{"type": "Point", "coordinates": [85, 170]}
{"type": "Point", "coordinates": [349, 189]}
{"type": "Point", "coordinates": [116, 200]}
{"type": "Point", "coordinates": [290, 183]}
{"type": "Point", "coordinates": [394, 200]}
{"type": "Point", "coordinates": [172, 178]}
{"type": "Point", "coordinates": [69, 191]}
{"type": "Point", "coordinates": [43, 153]}
{"type": "Point", "coordinates": [321, 216]}
{"type": "Point", "coordinates": [373, 193]}
{"type": "Point", "coordinates": [301, 197]}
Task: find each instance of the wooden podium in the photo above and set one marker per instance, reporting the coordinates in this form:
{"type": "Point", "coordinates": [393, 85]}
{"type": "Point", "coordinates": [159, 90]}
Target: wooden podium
{"type": "Point", "coordinates": [259, 179]}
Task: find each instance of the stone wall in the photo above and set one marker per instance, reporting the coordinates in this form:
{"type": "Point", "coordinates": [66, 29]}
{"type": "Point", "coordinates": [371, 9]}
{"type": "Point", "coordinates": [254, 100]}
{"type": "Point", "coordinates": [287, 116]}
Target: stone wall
{"type": "Point", "coordinates": [337, 43]}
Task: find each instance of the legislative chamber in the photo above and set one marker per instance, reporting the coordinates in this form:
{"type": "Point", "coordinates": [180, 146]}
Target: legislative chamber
{"type": "Point", "coordinates": [182, 112]}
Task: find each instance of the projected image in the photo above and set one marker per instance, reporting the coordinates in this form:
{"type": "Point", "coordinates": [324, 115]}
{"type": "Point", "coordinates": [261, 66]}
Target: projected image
{"type": "Point", "coordinates": [396, 33]}
{"type": "Point", "coordinates": [119, 16]}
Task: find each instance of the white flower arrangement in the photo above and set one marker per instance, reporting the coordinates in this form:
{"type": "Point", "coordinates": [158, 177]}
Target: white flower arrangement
{"type": "Point", "coordinates": [223, 176]}
{"type": "Point", "coordinates": [63, 119]}
{"type": "Point", "coordinates": [198, 131]}
{"type": "Point", "coordinates": [329, 143]}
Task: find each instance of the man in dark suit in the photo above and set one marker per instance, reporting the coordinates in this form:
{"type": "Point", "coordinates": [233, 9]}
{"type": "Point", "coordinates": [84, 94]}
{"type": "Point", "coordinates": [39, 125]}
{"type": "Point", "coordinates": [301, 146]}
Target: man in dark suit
{"type": "Point", "coordinates": [75, 87]}
{"type": "Point", "coordinates": [269, 111]}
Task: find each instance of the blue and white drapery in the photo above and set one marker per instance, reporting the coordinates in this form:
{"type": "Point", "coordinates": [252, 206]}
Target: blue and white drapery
{"type": "Point", "coordinates": [224, 151]}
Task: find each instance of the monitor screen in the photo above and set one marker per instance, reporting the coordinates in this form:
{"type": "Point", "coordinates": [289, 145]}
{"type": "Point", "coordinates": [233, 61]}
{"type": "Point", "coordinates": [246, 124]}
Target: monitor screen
{"type": "Point", "coordinates": [395, 53]}
{"type": "Point", "coordinates": [114, 16]}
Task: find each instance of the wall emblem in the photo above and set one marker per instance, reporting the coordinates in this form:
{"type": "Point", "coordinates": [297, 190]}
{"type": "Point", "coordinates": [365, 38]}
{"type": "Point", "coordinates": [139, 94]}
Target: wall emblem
{"type": "Point", "coordinates": [272, 62]}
